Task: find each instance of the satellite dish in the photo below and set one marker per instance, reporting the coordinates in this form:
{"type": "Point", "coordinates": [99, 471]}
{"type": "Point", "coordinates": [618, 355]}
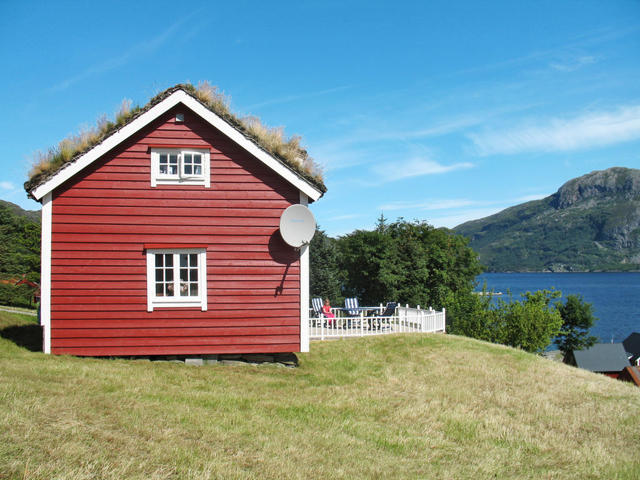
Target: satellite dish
{"type": "Point", "coordinates": [297, 225]}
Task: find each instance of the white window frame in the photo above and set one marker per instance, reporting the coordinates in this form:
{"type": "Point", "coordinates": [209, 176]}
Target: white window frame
{"type": "Point", "coordinates": [180, 178]}
{"type": "Point", "coordinates": [154, 301]}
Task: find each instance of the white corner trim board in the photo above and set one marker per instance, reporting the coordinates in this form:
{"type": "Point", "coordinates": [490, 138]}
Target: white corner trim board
{"type": "Point", "coordinates": [304, 290]}
{"type": "Point", "coordinates": [45, 273]}
{"type": "Point", "coordinates": [178, 96]}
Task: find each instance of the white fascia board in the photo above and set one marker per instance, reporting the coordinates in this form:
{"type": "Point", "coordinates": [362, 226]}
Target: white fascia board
{"type": "Point", "coordinates": [45, 273]}
{"type": "Point", "coordinates": [252, 148]}
{"type": "Point", "coordinates": [143, 120]}
{"type": "Point", "coordinates": [109, 143]}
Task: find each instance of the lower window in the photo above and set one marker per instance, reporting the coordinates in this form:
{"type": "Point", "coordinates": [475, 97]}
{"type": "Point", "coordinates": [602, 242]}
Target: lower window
{"type": "Point", "coordinates": [176, 278]}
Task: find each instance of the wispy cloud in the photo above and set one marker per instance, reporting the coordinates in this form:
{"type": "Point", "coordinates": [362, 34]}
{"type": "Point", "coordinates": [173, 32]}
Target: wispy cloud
{"type": "Point", "coordinates": [573, 64]}
{"type": "Point", "coordinates": [296, 97]}
{"type": "Point", "coordinates": [444, 204]}
{"type": "Point", "coordinates": [143, 48]}
{"type": "Point", "coordinates": [7, 186]}
{"type": "Point", "coordinates": [415, 167]}
{"type": "Point", "coordinates": [585, 131]}
{"type": "Point", "coordinates": [439, 129]}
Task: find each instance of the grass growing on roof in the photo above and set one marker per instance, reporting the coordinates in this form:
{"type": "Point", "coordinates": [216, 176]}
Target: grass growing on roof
{"type": "Point", "coordinates": [405, 406]}
{"type": "Point", "coordinates": [272, 140]}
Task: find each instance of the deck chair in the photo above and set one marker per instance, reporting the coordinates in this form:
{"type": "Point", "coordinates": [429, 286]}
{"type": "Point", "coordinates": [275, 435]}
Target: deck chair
{"type": "Point", "coordinates": [389, 311]}
{"type": "Point", "coordinates": [351, 309]}
{"type": "Point", "coordinates": [316, 303]}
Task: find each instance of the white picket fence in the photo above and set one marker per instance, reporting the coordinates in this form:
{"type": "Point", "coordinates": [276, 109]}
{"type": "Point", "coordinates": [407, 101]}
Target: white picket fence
{"type": "Point", "coordinates": [405, 320]}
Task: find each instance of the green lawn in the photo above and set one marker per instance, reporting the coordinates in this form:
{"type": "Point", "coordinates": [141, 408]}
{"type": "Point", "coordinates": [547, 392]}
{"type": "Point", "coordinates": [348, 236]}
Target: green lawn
{"type": "Point", "coordinates": [407, 406]}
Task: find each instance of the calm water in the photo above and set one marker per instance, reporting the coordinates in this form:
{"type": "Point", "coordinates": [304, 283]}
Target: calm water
{"type": "Point", "coordinates": [615, 296]}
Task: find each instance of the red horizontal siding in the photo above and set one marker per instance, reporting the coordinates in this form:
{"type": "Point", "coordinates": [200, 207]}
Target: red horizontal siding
{"type": "Point", "coordinates": [166, 341]}
{"type": "Point", "coordinates": [174, 332]}
{"type": "Point", "coordinates": [103, 218]}
{"type": "Point", "coordinates": [178, 349]}
{"type": "Point", "coordinates": [185, 323]}
{"type": "Point", "coordinates": [135, 196]}
{"type": "Point", "coordinates": [139, 305]}
{"type": "Point", "coordinates": [181, 314]}
{"type": "Point", "coordinates": [216, 230]}
{"type": "Point", "coordinates": [166, 210]}
{"type": "Point", "coordinates": [124, 277]}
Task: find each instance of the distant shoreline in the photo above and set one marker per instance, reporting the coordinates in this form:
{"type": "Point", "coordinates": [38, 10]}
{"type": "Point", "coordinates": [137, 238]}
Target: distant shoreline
{"type": "Point", "coordinates": [563, 271]}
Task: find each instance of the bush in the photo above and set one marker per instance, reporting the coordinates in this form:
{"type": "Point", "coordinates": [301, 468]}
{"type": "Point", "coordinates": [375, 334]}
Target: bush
{"type": "Point", "coordinates": [529, 324]}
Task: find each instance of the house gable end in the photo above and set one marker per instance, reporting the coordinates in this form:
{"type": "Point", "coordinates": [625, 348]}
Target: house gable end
{"type": "Point", "coordinates": [178, 97]}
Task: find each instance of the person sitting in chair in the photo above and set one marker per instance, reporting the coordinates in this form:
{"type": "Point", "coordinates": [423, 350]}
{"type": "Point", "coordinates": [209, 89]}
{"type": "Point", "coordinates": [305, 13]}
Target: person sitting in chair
{"type": "Point", "coordinates": [326, 310]}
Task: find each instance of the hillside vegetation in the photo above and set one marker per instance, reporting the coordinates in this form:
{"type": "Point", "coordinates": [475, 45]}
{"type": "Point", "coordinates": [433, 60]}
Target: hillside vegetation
{"type": "Point", "coordinates": [406, 406]}
{"type": "Point", "coordinates": [19, 252]}
{"type": "Point", "coordinates": [592, 223]}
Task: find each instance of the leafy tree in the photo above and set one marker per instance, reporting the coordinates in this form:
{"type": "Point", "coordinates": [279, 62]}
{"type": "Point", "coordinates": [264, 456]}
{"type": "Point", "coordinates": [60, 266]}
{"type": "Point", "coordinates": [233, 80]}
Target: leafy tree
{"type": "Point", "coordinates": [19, 243]}
{"type": "Point", "coordinates": [471, 315]}
{"type": "Point", "coordinates": [529, 324]}
{"type": "Point", "coordinates": [324, 272]}
{"type": "Point", "coordinates": [368, 266]}
{"type": "Point", "coordinates": [408, 262]}
{"type": "Point", "coordinates": [577, 319]}
{"type": "Point", "coordinates": [19, 253]}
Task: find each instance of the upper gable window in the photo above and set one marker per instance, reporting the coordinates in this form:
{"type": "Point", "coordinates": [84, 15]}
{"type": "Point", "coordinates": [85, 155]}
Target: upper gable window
{"type": "Point", "coordinates": [172, 166]}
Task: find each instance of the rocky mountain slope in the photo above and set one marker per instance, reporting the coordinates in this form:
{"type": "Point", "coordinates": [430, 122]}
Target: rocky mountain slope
{"type": "Point", "coordinates": [592, 223]}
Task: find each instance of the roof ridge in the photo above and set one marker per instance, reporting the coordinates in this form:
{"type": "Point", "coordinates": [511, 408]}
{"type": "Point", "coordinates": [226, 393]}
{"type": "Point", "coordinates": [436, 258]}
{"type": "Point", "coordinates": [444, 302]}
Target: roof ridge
{"type": "Point", "coordinates": [57, 159]}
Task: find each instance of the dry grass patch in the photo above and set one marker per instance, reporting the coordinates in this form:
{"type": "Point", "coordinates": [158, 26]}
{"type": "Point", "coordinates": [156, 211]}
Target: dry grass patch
{"type": "Point", "coordinates": [408, 406]}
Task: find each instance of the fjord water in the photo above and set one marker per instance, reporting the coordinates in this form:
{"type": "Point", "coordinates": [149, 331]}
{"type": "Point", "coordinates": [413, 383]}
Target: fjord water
{"type": "Point", "coordinates": [615, 296]}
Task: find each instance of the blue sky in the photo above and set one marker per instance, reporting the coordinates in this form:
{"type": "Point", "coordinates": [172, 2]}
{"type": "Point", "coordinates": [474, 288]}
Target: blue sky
{"type": "Point", "coordinates": [438, 111]}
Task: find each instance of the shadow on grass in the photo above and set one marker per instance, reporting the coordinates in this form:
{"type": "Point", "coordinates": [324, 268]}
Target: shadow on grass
{"type": "Point", "coordinates": [25, 336]}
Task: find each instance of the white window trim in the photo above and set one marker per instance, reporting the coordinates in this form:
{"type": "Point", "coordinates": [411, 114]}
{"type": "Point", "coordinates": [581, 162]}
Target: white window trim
{"type": "Point", "coordinates": [179, 179]}
{"type": "Point", "coordinates": [162, 302]}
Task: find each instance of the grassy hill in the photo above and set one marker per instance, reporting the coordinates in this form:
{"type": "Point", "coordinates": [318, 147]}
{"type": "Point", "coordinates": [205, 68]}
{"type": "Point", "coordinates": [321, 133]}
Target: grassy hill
{"type": "Point", "coordinates": [592, 223]}
{"type": "Point", "coordinates": [406, 406]}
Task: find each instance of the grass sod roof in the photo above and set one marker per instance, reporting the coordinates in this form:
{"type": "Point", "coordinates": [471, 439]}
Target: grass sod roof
{"type": "Point", "coordinates": [272, 140]}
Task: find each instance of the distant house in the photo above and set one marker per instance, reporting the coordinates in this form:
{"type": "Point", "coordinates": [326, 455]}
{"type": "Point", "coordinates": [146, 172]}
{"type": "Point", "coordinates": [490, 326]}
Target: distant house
{"type": "Point", "coordinates": [607, 358]}
{"type": "Point", "coordinates": [630, 374]}
{"type": "Point", "coordinates": [35, 297]}
{"type": "Point", "coordinates": [632, 347]}
{"type": "Point", "coordinates": [163, 239]}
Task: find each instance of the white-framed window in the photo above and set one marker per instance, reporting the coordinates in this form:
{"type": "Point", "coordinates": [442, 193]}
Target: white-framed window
{"type": "Point", "coordinates": [180, 166]}
{"type": "Point", "coordinates": [176, 277]}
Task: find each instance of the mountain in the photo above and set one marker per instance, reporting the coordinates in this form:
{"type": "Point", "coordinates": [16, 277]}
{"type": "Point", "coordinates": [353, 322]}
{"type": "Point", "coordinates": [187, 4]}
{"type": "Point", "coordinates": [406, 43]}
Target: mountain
{"type": "Point", "coordinates": [33, 215]}
{"type": "Point", "coordinates": [592, 223]}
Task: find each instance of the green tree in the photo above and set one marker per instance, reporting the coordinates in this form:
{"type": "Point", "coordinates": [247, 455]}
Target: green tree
{"type": "Point", "coordinates": [529, 324]}
{"type": "Point", "coordinates": [471, 315]}
{"type": "Point", "coordinates": [324, 272]}
{"type": "Point", "coordinates": [368, 266]}
{"type": "Point", "coordinates": [532, 323]}
{"type": "Point", "coordinates": [408, 262]}
{"type": "Point", "coordinates": [577, 318]}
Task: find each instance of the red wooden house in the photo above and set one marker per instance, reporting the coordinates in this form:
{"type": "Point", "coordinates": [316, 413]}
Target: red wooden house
{"type": "Point", "coordinates": [163, 239]}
